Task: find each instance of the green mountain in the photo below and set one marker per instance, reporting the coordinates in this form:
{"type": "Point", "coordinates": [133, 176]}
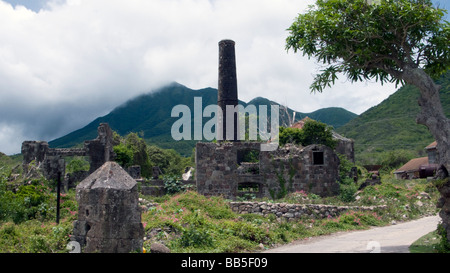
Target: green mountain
{"type": "Point", "coordinates": [391, 125]}
{"type": "Point", "coordinates": [150, 114]}
{"type": "Point", "coordinates": [333, 116]}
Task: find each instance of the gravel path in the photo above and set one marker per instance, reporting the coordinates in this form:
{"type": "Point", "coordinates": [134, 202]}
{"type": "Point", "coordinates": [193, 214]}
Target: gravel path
{"type": "Point", "coordinates": [389, 239]}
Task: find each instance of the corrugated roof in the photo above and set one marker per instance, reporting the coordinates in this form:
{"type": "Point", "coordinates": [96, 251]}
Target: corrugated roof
{"type": "Point", "coordinates": [413, 165]}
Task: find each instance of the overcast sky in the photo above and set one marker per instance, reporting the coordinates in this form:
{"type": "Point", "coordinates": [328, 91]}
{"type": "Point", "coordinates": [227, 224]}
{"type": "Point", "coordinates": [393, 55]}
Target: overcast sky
{"type": "Point", "coordinates": [65, 62]}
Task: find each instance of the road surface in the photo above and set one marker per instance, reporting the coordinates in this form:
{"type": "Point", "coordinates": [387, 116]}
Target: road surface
{"type": "Point", "coordinates": [390, 239]}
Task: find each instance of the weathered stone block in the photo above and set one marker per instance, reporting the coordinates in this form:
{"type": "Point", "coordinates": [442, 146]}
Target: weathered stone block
{"type": "Point", "coordinates": [109, 218]}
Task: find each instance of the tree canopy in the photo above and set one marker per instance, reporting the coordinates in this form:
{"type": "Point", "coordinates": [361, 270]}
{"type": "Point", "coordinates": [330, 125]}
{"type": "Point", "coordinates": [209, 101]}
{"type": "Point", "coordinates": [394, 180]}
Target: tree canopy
{"type": "Point", "coordinates": [313, 132]}
{"type": "Point", "coordinates": [366, 40]}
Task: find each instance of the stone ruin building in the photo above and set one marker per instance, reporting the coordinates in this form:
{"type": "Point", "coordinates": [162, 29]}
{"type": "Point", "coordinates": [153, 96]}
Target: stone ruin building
{"type": "Point", "coordinates": [51, 160]}
{"type": "Point", "coordinates": [109, 217]}
{"type": "Point", "coordinates": [223, 168]}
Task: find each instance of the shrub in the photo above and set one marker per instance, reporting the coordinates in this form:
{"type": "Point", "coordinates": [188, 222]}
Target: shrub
{"type": "Point", "coordinates": [29, 202]}
{"type": "Point", "coordinates": [124, 155]}
{"type": "Point", "coordinates": [444, 245]}
{"type": "Point", "coordinates": [196, 237]}
{"type": "Point", "coordinates": [347, 190]}
{"type": "Point", "coordinates": [172, 184]}
{"type": "Point", "coordinates": [76, 165]}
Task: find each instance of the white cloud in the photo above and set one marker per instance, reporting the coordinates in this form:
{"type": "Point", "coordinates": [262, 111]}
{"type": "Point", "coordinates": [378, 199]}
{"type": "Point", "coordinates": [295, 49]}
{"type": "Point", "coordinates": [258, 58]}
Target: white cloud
{"type": "Point", "coordinates": [75, 60]}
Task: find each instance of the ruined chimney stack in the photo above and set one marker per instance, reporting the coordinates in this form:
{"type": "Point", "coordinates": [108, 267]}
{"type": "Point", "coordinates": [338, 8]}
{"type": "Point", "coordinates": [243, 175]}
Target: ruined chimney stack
{"type": "Point", "coordinates": [227, 90]}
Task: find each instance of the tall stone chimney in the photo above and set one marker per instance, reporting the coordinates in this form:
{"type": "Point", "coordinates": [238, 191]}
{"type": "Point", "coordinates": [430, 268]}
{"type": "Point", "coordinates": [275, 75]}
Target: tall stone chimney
{"type": "Point", "coordinates": [227, 90]}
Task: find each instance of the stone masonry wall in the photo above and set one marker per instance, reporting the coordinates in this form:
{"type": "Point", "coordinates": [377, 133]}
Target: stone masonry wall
{"type": "Point", "coordinates": [292, 212]}
{"type": "Point", "coordinates": [219, 170]}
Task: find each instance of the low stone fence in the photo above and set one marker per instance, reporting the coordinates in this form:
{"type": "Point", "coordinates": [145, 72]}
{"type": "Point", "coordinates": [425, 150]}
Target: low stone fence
{"type": "Point", "coordinates": [295, 211]}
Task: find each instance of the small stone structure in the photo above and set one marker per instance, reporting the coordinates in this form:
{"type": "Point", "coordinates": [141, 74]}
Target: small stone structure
{"type": "Point", "coordinates": [293, 212]}
{"type": "Point", "coordinates": [51, 161]}
{"type": "Point", "coordinates": [345, 146]}
{"type": "Point", "coordinates": [222, 170]}
{"type": "Point", "coordinates": [109, 217]}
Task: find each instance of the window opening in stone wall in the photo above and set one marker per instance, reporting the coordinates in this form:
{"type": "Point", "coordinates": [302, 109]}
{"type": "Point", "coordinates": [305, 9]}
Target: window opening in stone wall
{"type": "Point", "coordinates": [248, 155]}
{"type": "Point", "coordinates": [248, 161]}
{"type": "Point", "coordinates": [318, 158]}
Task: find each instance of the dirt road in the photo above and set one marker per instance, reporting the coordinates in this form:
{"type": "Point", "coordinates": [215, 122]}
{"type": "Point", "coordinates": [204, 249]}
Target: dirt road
{"type": "Point", "coordinates": [390, 239]}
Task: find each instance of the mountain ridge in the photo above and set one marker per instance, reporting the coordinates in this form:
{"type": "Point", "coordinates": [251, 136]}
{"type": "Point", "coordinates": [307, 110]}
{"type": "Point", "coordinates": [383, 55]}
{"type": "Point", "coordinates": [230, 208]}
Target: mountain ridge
{"type": "Point", "coordinates": [150, 113]}
{"type": "Point", "coordinates": [391, 125]}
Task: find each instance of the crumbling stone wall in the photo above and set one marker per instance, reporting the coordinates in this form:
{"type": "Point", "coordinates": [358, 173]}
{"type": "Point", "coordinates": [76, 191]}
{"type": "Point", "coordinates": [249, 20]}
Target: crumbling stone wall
{"type": "Point", "coordinates": [220, 171]}
{"type": "Point", "coordinates": [344, 146]}
{"type": "Point", "coordinates": [51, 161]}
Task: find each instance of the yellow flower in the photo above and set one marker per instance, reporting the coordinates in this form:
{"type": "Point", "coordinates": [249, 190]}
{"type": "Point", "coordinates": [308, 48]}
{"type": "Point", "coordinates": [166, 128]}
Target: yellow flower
{"type": "Point", "coordinates": [144, 250]}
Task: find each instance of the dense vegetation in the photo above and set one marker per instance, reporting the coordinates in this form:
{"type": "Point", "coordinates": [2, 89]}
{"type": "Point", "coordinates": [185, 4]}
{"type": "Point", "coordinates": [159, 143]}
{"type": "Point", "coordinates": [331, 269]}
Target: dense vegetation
{"type": "Point", "coordinates": [313, 132]}
{"type": "Point", "coordinates": [133, 150]}
{"type": "Point", "coordinates": [188, 222]}
{"type": "Point", "coordinates": [391, 127]}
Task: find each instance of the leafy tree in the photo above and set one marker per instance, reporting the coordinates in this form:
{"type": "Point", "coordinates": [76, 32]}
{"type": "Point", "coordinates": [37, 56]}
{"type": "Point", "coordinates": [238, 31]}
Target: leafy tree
{"type": "Point", "coordinates": [401, 41]}
{"type": "Point", "coordinates": [290, 135]}
{"type": "Point", "coordinates": [124, 155]}
{"type": "Point", "coordinates": [168, 160]}
{"type": "Point", "coordinates": [313, 132]}
{"type": "Point", "coordinates": [77, 164]}
{"type": "Point", "coordinates": [132, 150]}
{"type": "Point", "coordinates": [140, 155]}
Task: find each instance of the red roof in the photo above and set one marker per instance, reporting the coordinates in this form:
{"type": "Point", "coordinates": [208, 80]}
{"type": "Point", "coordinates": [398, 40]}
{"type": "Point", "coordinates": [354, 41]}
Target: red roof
{"type": "Point", "coordinates": [299, 124]}
{"type": "Point", "coordinates": [431, 146]}
{"type": "Point", "coordinates": [413, 165]}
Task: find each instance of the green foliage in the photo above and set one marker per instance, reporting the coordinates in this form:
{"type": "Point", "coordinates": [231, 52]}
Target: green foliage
{"type": "Point", "coordinates": [172, 184]}
{"type": "Point", "coordinates": [140, 155]}
{"type": "Point", "coordinates": [313, 132]}
{"type": "Point", "coordinates": [347, 190]}
{"type": "Point", "coordinates": [377, 41]}
{"type": "Point", "coordinates": [290, 135]}
{"type": "Point", "coordinates": [285, 186]}
{"type": "Point", "coordinates": [151, 114]}
{"type": "Point", "coordinates": [372, 41]}
{"type": "Point", "coordinates": [168, 160]}
{"type": "Point", "coordinates": [34, 237]}
{"type": "Point", "coordinates": [354, 219]}
{"type": "Point", "coordinates": [391, 126]}
{"type": "Point", "coordinates": [133, 150]}
{"type": "Point", "coordinates": [77, 164]}
{"type": "Point", "coordinates": [345, 166]}
{"type": "Point", "coordinates": [124, 155]}
{"type": "Point", "coordinates": [206, 224]}
{"type": "Point", "coordinates": [444, 244]}
{"type": "Point", "coordinates": [395, 159]}
{"type": "Point", "coordinates": [251, 156]}
{"type": "Point", "coordinates": [30, 201]}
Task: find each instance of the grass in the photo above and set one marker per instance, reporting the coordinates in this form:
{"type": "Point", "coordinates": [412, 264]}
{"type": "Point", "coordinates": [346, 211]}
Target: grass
{"type": "Point", "coordinates": [428, 243]}
{"type": "Point", "coordinates": [188, 222]}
